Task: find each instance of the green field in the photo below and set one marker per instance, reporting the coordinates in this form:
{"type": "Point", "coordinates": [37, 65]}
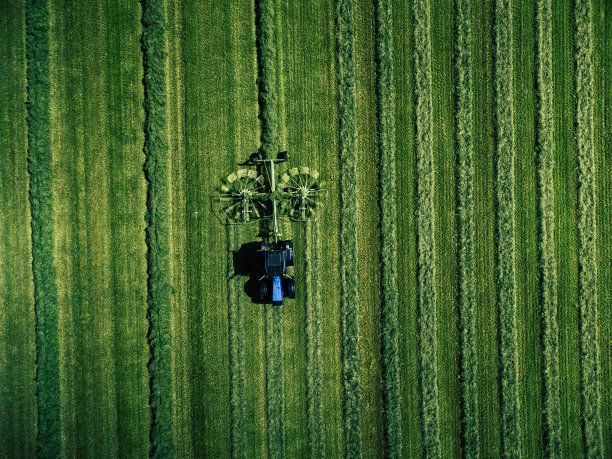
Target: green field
{"type": "Point", "coordinates": [454, 296]}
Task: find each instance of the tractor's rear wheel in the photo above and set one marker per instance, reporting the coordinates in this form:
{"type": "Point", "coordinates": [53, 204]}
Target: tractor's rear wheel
{"type": "Point", "coordinates": [290, 287]}
{"type": "Point", "coordinates": [263, 289]}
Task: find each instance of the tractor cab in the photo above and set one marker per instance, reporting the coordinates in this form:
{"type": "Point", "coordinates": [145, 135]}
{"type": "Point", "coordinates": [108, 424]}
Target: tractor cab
{"type": "Point", "coordinates": [275, 283]}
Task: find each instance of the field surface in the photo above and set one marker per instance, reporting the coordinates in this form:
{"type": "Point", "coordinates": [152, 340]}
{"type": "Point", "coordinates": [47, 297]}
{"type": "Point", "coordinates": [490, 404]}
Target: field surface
{"type": "Point", "coordinates": [454, 295]}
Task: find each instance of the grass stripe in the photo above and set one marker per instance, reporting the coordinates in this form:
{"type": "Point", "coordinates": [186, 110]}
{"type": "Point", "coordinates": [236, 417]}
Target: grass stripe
{"type": "Point", "coordinates": [156, 172]}
{"type": "Point", "coordinates": [425, 229]}
{"type": "Point", "coordinates": [465, 197]}
{"type": "Point", "coordinates": [39, 167]}
{"type": "Point", "coordinates": [550, 337]}
{"type": "Point", "coordinates": [314, 390]}
{"type": "Point", "coordinates": [385, 88]}
{"type": "Point", "coordinates": [587, 272]}
{"type": "Point", "coordinates": [236, 354]}
{"type": "Point", "coordinates": [345, 21]}
{"type": "Point", "coordinates": [268, 104]}
{"type": "Point", "coordinates": [505, 231]}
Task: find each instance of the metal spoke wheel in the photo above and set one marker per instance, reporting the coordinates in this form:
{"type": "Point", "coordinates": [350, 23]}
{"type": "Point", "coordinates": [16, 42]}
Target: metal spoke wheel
{"type": "Point", "coordinates": [238, 196]}
{"type": "Point", "coordinates": [305, 194]}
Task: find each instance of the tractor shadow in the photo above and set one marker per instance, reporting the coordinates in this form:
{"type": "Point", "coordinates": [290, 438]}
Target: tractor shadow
{"type": "Point", "coordinates": [247, 263]}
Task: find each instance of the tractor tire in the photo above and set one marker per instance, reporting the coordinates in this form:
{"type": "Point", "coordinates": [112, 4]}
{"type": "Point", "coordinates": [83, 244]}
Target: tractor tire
{"type": "Point", "coordinates": [290, 288]}
{"type": "Point", "coordinates": [263, 290]}
{"type": "Point", "coordinates": [283, 155]}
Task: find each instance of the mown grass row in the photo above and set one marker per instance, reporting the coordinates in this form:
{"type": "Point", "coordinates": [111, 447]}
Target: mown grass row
{"type": "Point", "coordinates": [157, 236]}
{"type": "Point", "coordinates": [267, 80]}
{"type": "Point", "coordinates": [44, 273]}
{"type": "Point", "coordinates": [345, 29]}
{"type": "Point", "coordinates": [465, 197]}
{"type": "Point", "coordinates": [550, 336]}
{"type": "Point", "coordinates": [238, 439]}
{"type": "Point", "coordinates": [385, 90]}
{"type": "Point", "coordinates": [587, 273]}
{"type": "Point", "coordinates": [314, 390]}
{"type": "Point", "coordinates": [425, 229]}
{"type": "Point", "coordinates": [268, 105]}
{"type": "Point", "coordinates": [511, 437]}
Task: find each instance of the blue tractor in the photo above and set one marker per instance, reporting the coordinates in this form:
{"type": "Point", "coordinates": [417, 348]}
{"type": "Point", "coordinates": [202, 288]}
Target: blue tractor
{"type": "Point", "coordinates": [255, 193]}
{"type": "Point", "coordinates": [275, 283]}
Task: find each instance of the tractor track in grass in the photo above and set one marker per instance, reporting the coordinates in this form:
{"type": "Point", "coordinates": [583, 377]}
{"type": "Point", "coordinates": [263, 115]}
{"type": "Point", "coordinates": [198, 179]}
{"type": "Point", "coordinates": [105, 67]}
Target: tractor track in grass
{"type": "Point", "coordinates": [550, 334]}
{"type": "Point", "coordinates": [587, 273]}
{"type": "Point", "coordinates": [313, 338]}
{"type": "Point", "coordinates": [39, 167]}
{"type": "Point", "coordinates": [236, 354]}
{"type": "Point", "coordinates": [511, 437]}
{"type": "Point", "coordinates": [157, 237]}
{"type": "Point", "coordinates": [425, 229]}
{"type": "Point", "coordinates": [345, 19]}
{"type": "Point", "coordinates": [385, 89]}
{"type": "Point", "coordinates": [465, 203]}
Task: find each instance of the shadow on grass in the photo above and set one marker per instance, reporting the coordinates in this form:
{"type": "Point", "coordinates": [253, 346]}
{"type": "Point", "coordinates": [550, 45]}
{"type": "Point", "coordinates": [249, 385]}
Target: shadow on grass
{"type": "Point", "coordinates": [248, 262]}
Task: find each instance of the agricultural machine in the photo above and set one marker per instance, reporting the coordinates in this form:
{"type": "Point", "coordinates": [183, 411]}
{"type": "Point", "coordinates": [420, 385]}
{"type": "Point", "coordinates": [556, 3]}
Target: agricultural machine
{"type": "Point", "coordinates": [255, 194]}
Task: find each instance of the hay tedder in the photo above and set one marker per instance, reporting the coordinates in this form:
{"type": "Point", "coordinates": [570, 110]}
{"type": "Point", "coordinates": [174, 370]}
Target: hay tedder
{"type": "Point", "coordinates": [255, 194]}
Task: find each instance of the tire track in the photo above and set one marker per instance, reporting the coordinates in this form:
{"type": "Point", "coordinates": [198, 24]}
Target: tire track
{"type": "Point", "coordinates": [546, 164]}
{"type": "Point", "coordinates": [313, 336]}
{"type": "Point", "coordinates": [587, 231]}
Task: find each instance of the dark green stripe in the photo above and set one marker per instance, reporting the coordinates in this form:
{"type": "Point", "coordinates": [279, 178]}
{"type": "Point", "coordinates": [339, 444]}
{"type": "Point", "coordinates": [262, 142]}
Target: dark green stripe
{"type": "Point", "coordinates": [156, 172]}
{"type": "Point", "coordinates": [39, 166]}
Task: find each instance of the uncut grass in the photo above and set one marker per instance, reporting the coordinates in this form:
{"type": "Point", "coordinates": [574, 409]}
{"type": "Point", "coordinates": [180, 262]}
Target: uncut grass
{"type": "Point", "coordinates": [213, 150]}
{"type": "Point", "coordinates": [17, 339]}
{"type": "Point", "coordinates": [91, 219]}
{"type": "Point", "coordinates": [602, 30]}
{"type": "Point", "coordinates": [127, 197]}
{"type": "Point", "coordinates": [566, 241]}
{"type": "Point", "coordinates": [446, 241]}
{"type": "Point", "coordinates": [484, 219]}
{"type": "Point", "coordinates": [181, 408]}
{"type": "Point", "coordinates": [403, 48]}
{"type": "Point", "coordinates": [528, 308]}
{"type": "Point", "coordinates": [368, 233]}
{"type": "Point", "coordinates": [307, 77]}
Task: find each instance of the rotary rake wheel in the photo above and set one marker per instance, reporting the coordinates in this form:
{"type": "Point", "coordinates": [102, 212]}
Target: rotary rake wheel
{"type": "Point", "coordinates": [304, 193]}
{"type": "Point", "coordinates": [239, 196]}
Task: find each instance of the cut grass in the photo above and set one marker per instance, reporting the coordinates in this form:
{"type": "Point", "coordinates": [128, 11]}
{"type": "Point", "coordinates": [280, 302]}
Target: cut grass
{"type": "Point", "coordinates": [505, 231]}
{"type": "Point", "coordinates": [587, 273]}
{"type": "Point", "coordinates": [157, 236]}
{"type": "Point", "coordinates": [550, 337]}
{"type": "Point", "coordinates": [465, 195]}
{"type": "Point", "coordinates": [425, 230]}
{"type": "Point", "coordinates": [39, 167]}
{"type": "Point", "coordinates": [389, 309]}
{"type": "Point", "coordinates": [345, 18]}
